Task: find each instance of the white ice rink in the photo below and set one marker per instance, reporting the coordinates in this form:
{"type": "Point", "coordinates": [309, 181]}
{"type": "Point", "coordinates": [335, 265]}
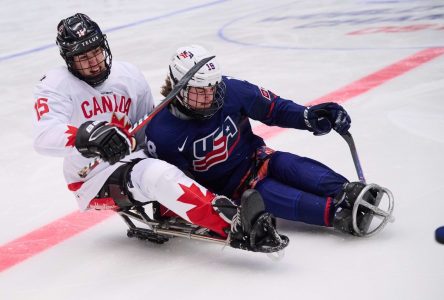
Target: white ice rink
{"type": "Point", "coordinates": [301, 50]}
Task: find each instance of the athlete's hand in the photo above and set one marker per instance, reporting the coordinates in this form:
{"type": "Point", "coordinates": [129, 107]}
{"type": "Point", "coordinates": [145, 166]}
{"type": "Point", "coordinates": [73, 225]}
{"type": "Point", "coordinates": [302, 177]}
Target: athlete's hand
{"type": "Point", "coordinates": [322, 118]}
{"type": "Point", "coordinates": [110, 142]}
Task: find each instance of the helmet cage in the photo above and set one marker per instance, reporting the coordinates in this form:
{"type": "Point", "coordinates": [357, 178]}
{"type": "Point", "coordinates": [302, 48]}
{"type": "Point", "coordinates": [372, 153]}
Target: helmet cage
{"type": "Point", "coordinates": [205, 109]}
{"type": "Point", "coordinates": [204, 94]}
{"type": "Point", "coordinates": [99, 78]}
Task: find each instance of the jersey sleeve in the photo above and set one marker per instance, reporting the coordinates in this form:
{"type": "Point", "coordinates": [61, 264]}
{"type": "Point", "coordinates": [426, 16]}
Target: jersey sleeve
{"type": "Point", "coordinates": [53, 135]}
{"type": "Point", "coordinates": [265, 106]}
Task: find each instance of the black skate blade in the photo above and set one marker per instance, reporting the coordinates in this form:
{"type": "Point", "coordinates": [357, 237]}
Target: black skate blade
{"type": "Point", "coordinates": [252, 205]}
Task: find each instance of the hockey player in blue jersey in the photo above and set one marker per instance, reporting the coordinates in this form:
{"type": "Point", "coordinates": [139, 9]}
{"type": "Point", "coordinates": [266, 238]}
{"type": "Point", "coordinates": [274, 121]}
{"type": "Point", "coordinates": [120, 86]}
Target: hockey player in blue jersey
{"type": "Point", "coordinates": [206, 132]}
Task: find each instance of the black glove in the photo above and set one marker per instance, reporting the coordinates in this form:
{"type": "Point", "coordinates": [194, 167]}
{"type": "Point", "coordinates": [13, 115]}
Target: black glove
{"type": "Point", "coordinates": [111, 143]}
{"type": "Point", "coordinates": [321, 118]}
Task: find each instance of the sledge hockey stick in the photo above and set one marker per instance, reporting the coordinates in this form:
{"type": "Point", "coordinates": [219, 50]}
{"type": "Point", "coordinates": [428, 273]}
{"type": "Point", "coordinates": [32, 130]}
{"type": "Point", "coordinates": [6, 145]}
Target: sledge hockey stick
{"type": "Point", "coordinates": [148, 117]}
{"type": "Point", "coordinates": [351, 144]}
{"type": "Point", "coordinates": [386, 215]}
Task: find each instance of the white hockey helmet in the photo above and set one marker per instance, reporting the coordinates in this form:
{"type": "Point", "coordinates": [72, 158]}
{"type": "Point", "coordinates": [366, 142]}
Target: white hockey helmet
{"type": "Point", "coordinates": [209, 75]}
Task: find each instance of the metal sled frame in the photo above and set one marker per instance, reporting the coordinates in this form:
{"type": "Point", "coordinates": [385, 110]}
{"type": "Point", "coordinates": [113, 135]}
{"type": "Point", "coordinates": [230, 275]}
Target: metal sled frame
{"type": "Point", "coordinates": [160, 232]}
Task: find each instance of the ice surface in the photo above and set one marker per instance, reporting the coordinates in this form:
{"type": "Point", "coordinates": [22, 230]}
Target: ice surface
{"type": "Point", "coordinates": [301, 50]}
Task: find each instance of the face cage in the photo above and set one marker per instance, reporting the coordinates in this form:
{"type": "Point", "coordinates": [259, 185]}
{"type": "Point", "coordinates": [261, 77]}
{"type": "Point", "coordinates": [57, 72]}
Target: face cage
{"type": "Point", "coordinates": [100, 78]}
{"type": "Point", "coordinates": [208, 112]}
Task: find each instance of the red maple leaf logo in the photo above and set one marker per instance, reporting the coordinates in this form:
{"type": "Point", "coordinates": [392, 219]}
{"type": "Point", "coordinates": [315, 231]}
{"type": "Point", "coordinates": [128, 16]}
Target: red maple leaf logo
{"type": "Point", "coordinates": [71, 132]}
{"type": "Point", "coordinates": [122, 122]}
{"type": "Point", "coordinates": [193, 195]}
{"type": "Point", "coordinates": [202, 213]}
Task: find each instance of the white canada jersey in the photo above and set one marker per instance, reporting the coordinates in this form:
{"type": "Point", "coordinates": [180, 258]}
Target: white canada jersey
{"type": "Point", "coordinates": [63, 102]}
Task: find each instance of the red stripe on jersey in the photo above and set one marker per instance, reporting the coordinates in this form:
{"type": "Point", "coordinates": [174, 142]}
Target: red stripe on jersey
{"type": "Point", "coordinates": [271, 109]}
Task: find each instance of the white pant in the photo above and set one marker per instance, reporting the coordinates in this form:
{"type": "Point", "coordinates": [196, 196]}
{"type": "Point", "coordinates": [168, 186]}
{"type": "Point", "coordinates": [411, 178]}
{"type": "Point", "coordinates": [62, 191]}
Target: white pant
{"type": "Point", "coordinates": [157, 180]}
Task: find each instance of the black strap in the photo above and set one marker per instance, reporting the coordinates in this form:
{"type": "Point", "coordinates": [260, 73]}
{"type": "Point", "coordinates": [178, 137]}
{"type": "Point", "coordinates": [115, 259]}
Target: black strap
{"type": "Point", "coordinates": [116, 186]}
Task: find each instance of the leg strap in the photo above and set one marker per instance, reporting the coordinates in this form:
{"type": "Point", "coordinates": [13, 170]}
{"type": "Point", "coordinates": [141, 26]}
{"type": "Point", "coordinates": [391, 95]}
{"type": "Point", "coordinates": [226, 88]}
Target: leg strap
{"type": "Point", "coordinates": [116, 186]}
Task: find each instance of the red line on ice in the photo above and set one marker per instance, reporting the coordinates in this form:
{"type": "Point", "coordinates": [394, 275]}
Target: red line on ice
{"type": "Point", "coordinates": [49, 235]}
{"type": "Point", "coordinates": [363, 85]}
{"type": "Point", "coordinates": [39, 240]}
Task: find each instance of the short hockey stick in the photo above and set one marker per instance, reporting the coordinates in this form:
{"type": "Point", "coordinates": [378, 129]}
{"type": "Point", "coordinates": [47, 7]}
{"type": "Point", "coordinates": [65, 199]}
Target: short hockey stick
{"type": "Point", "coordinates": [148, 117]}
{"type": "Point", "coordinates": [386, 215]}
{"type": "Point", "coordinates": [351, 143]}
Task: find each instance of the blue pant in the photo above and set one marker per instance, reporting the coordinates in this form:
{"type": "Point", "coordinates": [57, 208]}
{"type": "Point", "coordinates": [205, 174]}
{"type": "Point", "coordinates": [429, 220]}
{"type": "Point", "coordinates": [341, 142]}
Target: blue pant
{"type": "Point", "coordinates": [299, 188]}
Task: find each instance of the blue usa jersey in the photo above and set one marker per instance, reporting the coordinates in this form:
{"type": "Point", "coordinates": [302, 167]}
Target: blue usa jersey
{"type": "Point", "coordinates": [217, 152]}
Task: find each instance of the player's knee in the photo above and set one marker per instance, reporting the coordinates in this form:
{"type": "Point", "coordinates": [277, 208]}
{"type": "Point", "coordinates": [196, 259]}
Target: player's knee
{"type": "Point", "coordinates": [150, 173]}
{"type": "Point", "coordinates": [159, 170]}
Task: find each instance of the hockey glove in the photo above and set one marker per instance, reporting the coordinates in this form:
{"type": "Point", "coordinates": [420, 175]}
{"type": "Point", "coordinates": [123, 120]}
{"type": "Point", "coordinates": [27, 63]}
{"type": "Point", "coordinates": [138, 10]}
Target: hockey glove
{"type": "Point", "coordinates": [322, 118]}
{"type": "Point", "coordinates": [111, 143]}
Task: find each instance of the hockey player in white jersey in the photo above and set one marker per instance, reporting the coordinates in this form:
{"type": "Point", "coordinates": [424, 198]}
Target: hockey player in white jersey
{"type": "Point", "coordinates": [85, 109]}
